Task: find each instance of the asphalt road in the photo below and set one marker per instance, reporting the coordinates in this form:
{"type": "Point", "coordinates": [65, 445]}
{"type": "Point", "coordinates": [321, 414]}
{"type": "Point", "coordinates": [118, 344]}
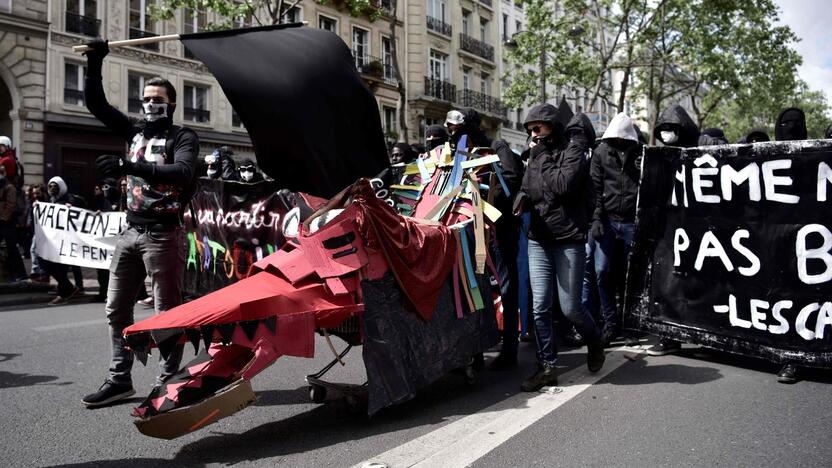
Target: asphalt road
{"type": "Point", "coordinates": [698, 408]}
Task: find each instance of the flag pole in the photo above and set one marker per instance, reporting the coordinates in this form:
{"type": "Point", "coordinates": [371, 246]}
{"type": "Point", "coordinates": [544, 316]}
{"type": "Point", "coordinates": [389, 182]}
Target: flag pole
{"type": "Point", "coordinates": [142, 41]}
{"type": "Point", "coordinates": [132, 42]}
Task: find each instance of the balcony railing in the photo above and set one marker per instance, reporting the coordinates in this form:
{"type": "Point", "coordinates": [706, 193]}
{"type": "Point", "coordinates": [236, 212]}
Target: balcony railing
{"type": "Point", "coordinates": [197, 115]}
{"type": "Point", "coordinates": [86, 25]}
{"type": "Point", "coordinates": [486, 2]}
{"type": "Point", "coordinates": [374, 66]}
{"type": "Point", "coordinates": [440, 89]}
{"type": "Point", "coordinates": [134, 105]}
{"type": "Point", "coordinates": [138, 34]}
{"type": "Point", "coordinates": [476, 47]}
{"type": "Point", "coordinates": [74, 96]}
{"type": "Point", "coordinates": [482, 102]}
{"type": "Point", "coordinates": [439, 26]}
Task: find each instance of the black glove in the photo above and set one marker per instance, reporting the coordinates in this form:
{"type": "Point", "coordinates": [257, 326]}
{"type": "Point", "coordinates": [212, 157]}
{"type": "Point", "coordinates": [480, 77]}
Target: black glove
{"type": "Point", "coordinates": [100, 49]}
{"type": "Point", "coordinates": [597, 230]}
{"type": "Point", "coordinates": [112, 165]}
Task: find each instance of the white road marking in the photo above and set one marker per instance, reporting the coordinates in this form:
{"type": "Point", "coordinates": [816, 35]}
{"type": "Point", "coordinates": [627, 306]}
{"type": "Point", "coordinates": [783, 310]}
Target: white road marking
{"type": "Point", "coordinates": [466, 440]}
{"type": "Point", "coordinates": [84, 323]}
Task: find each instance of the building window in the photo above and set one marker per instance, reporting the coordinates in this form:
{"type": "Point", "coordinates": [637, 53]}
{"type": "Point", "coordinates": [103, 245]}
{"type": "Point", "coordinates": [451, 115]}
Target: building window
{"type": "Point", "coordinates": [81, 17]}
{"type": "Point", "coordinates": [235, 120]}
{"type": "Point", "coordinates": [295, 15]}
{"type": "Point", "coordinates": [484, 30]}
{"type": "Point", "coordinates": [437, 10]}
{"type": "Point", "coordinates": [438, 66]}
{"type": "Point", "coordinates": [361, 47]}
{"type": "Point", "coordinates": [387, 59]}
{"type": "Point", "coordinates": [389, 120]}
{"type": "Point", "coordinates": [141, 23]}
{"type": "Point", "coordinates": [466, 22]}
{"type": "Point", "coordinates": [135, 92]}
{"type": "Point", "coordinates": [6, 6]}
{"type": "Point", "coordinates": [194, 21]}
{"type": "Point", "coordinates": [466, 78]}
{"type": "Point", "coordinates": [505, 27]}
{"type": "Point", "coordinates": [518, 26]}
{"type": "Point", "coordinates": [196, 103]}
{"type": "Point", "coordinates": [485, 84]}
{"type": "Point", "coordinates": [74, 83]}
{"type": "Point", "coordinates": [327, 23]}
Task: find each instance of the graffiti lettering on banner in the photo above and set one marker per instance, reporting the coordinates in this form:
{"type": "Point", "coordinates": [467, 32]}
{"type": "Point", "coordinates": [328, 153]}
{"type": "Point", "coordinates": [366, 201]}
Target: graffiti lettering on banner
{"type": "Point", "coordinates": [236, 225]}
{"type": "Point", "coordinates": [75, 236]}
{"type": "Point", "coordinates": [733, 249]}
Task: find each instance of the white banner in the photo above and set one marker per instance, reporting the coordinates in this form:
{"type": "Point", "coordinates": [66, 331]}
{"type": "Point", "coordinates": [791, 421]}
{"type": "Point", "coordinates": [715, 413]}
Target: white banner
{"type": "Point", "coordinates": [75, 236]}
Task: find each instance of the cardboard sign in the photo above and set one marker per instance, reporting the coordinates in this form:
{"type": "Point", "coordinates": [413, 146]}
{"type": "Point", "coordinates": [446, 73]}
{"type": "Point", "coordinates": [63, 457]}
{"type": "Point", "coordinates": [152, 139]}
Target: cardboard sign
{"type": "Point", "coordinates": [733, 249]}
{"type": "Point", "coordinates": [75, 236]}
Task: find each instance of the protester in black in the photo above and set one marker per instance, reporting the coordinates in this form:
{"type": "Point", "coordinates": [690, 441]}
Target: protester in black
{"type": "Point", "coordinates": [504, 251]}
{"type": "Point", "coordinates": [108, 201]}
{"type": "Point", "coordinates": [712, 136]}
{"type": "Point", "coordinates": [248, 172]}
{"type": "Point", "coordinates": [59, 193]}
{"type": "Point", "coordinates": [435, 135]}
{"type": "Point", "coordinates": [674, 128]}
{"type": "Point", "coordinates": [221, 165]}
{"type": "Point", "coordinates": [754, 136]}
{"type": "Point", "coordinates": [553, 191]}
{"type": "Point", "coordinates": [791, 125]}
{"type": "Point", "coordinates": [161, 169]}
{"type": "Point", "coordinates": [8, 227]}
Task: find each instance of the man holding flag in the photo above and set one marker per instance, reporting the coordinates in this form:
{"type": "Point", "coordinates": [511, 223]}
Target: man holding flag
{"type": "Point", "coordinates": [160, 169]}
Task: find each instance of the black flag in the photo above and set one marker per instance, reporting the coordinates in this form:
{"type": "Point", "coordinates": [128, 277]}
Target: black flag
{"type": "Point", "coordinates": [314, 124]}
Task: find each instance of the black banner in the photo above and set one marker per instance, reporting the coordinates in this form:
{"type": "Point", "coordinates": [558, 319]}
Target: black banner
{"type": "Point", "coordinates": [732, 249]}
{"type": "Point", "coordinates": [237, 224]}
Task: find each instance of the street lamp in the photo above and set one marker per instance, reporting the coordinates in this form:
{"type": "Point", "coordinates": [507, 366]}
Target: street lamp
{"type": "Point", "coordinates": [574, 31]}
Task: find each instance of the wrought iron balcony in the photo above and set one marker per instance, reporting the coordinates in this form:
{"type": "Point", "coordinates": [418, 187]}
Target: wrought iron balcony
{"type": "Point", "coordinates": [486, 2]}
{"type": "Point", "coordinates": [374, 66]}
{"type": "Point", "coordinates": [440, 89]}
{"type": "Point", "coordinates": [482, 102]}
{"type": "Point", "coordinates": [138, 34]}
{"type": "Point", "coordinates": [197, 115]}
{"type": "Point", "coordinates": [439, 26]}
{"type": "Point", "coordinates": [86, 25]}
{"type": "Point", "coordinates": [74, 96]}
{"type": "Point", "coordinates": [476, 47]}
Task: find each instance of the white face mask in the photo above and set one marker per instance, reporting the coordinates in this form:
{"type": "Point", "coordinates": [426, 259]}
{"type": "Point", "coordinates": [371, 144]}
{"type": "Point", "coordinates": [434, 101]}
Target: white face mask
{"type": "Point", "coordinates": [668, 137]}
{"type": "Point", "coordinates": [247, 175]}
{"type": "Point", "coordinates": [211, 172]}
{"type": "Point", "coordinates": [154, 111]}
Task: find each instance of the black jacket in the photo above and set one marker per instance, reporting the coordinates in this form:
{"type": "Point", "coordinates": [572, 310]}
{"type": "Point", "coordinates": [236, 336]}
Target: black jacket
{"type": "Point", "coordinates": [755, 135]}
{"type": "Point", "coordinates": [512, 169]}
{"type": "Point", "coordinates": [554, 184]}
{"type": "Point", "coordinates": [615, 171]}
{"type": "Point", "coordinates": [712, 137]}
{"type": "Point", "coordinates": [796, 132]}
{"type": "Point", "coordinates": [677, 119]}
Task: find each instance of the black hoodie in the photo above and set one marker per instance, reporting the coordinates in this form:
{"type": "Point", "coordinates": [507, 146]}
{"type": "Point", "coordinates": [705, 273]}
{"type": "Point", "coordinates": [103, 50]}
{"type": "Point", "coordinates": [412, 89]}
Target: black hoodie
{"type": "Point", "coordinates": [754, 136]}
{"type": "Point", "coordinates": [675, 118]}
{"type": "Point", "coordinates": [712, 137]}
{"type": "Point", "coordinates": [581, 128]}
{"type": "Point", "coordinates": [553, 188]}
{"type": "Point", "coordinates": [788, 130]}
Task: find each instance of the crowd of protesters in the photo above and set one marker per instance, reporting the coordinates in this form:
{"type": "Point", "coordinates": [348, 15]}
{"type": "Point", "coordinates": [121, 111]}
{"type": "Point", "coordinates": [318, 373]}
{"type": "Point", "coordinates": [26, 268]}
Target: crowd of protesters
{"type": "Point", "coordinates": [573, 196]}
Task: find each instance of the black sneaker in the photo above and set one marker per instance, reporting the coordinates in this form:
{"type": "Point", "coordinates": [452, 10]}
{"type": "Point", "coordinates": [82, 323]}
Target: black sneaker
{"type": "Point", "coordinates": [595, 357]}
{"type": "Point", "coordinates": [665, 346]}
{"type": "Point", "coordinates": [545, 376]}
{"type": "Point", "coordinates": [571, 338]}
{"type": "Point", "coordinates": [788, 374]}
{"type": "Point", "coordinates": [503, 362]}
{"type": "Point", "coordinates": [108, 393]}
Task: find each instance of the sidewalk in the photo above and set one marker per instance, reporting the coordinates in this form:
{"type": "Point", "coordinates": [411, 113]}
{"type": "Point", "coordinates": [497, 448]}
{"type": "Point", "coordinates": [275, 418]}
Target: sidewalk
{"type": "Point", "coordinates": [29, 293]}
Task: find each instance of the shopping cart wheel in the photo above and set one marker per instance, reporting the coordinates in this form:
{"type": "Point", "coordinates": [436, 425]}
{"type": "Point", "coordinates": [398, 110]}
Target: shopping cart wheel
{"type": "Point", "coordinates": [317, 393]}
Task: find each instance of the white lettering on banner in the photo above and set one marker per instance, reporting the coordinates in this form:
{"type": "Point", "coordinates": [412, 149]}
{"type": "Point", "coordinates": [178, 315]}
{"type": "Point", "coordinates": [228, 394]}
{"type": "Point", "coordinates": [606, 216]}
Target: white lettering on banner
{"type": "Point", "coordinates": [758, 309]}
{"type": "Point", "coordinates": [75, 236]}
{"type": "Point", "coordinates": [710, 246]}
{"type": "Point", "coordinates": [252, 219]}
{"type": "Point", "coordinates": [821, 253]}
{"type": "Point", "coordinates": [708, 171]}
{"type": "Point", "coordinates": [824, 177]}
{"type": "Point", "coordinates": [681, 242]}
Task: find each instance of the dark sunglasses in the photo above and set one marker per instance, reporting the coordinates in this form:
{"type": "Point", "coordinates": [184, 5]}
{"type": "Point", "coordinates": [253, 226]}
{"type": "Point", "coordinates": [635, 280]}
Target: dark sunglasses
{"type": "Point", "coordinates": [536, 129]}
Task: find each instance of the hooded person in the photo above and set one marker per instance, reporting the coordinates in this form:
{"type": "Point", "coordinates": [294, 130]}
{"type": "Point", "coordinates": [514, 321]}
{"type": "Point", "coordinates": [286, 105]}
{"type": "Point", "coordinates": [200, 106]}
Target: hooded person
{"type": "Point", "coordinates": [248, 171]}
{"type": "Point", "coordinates": [58, 193]}
{"type": "Point", "coordinates": [581, 128]}
{"type": "Point", "coordinates": [220, 164]}
{"type": "Point", "coordinates": [435, 135]}
{"type": "Point", "coordinates": [109, 201]}
{"type": "Point", "coordinates": [712, 136]}
{"type": "Point", "coordinates": [553, 192]}
{"type": "Point", "coordinates": [8, 158]}
{"type": "Point", "coordinates": [476, 137]}
{"type": "Point", "coordinates": [754, 136]}
{"type": "Point", "coordinates": [675, 128]}
{"type": "Point", "coordinates": [615, 174]}
{"type": "Point", "coordinates": [791, 125]}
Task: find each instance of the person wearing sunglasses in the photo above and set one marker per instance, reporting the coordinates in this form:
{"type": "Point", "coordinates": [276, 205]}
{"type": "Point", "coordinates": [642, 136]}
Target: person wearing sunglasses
{"type": "Point", "coordinates": [553, 192]}
{"type": "Point", "coordinates": [248, 172]}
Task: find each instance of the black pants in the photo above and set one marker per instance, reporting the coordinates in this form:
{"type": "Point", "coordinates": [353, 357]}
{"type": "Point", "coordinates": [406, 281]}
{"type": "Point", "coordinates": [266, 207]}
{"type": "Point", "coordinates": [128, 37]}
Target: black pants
{"type": "Point", "coordinates": [103, 282]}
{"type": "Point", "coordinates": [60, 273]}
{"type": "Point", "coordinates": [505, 260]}
{"type": "Point", "coordinates": [8, 233]}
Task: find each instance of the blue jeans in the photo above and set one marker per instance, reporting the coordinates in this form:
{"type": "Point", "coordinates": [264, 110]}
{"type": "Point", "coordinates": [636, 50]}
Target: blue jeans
{"type": "Point", "coordinates": [558, 266]}
{"type": "Point", "coordinates": [614, 232]}
{"type": "Point", "coordinates": [160, 255]}
{"type": "Point", "coordinates": [589, 291]}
